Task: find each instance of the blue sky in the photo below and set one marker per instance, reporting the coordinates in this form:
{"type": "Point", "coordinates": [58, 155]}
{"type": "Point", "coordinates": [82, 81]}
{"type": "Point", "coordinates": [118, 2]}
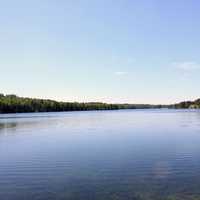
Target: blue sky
{"type": "Point", "coordinates": [131, 51]}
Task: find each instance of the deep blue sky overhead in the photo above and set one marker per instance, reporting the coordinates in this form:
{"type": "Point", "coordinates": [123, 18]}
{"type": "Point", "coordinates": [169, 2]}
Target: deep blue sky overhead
{"type": "Point", "coordinates": [143, 51]}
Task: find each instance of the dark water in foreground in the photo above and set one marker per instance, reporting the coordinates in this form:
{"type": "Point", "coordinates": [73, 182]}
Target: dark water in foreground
{"type": "Point", "coordinates": [105, 155]}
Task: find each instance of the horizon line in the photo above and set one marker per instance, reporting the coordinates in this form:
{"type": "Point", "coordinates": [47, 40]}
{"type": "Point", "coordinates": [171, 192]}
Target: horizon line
{"type": "Point", "coordinates": [71, 101]}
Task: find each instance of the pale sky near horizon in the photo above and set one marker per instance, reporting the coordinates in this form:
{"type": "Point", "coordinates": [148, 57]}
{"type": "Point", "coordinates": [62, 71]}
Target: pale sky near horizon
{"type": "Point", "coordinates": [130, 51]}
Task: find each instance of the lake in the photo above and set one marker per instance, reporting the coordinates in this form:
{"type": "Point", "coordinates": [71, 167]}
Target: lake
{"type": "Point", "coordinates": [100, 155]}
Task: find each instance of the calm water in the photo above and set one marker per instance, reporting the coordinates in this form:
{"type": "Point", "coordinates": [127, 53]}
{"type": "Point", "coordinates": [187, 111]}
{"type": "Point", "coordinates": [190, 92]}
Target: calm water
{"type": "Point", "coordinates": [118, 155]}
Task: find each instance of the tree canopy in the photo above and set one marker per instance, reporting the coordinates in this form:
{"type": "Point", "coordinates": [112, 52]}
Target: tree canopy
{"type": "Point", "coordinates": [14, 104]}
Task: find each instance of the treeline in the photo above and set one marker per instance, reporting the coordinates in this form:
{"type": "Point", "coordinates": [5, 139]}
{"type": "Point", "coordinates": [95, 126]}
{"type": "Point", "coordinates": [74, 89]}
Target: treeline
{"type": "Point", "coordinates": [15, 104]}
{"type": "Point", "coordinates": [187, 104]}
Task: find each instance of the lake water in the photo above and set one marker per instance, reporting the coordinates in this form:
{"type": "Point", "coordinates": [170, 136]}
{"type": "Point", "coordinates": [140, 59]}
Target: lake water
{"type": "Point", "coordinates": [100, 155]}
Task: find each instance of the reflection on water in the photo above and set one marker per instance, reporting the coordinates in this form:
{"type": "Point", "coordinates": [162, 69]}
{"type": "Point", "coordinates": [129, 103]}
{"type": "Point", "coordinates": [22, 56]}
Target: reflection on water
{"type": "Point", "coordinates": [129, 154]}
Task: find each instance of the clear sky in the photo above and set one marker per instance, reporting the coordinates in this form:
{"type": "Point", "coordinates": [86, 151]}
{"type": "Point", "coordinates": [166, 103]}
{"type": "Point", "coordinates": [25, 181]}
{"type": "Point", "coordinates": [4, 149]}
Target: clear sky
{"type": "Point", "coordinates": [144, 51]}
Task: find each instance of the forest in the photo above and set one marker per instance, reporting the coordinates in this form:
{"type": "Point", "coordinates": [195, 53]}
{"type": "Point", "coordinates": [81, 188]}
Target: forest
{"type": "Point", "coordinates": [187, 104]}
{"type": "Point", "coordinates": [14, 104]}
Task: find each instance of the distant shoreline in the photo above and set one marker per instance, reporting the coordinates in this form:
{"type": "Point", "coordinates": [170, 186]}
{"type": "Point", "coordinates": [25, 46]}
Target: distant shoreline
{"type": "Point", "coordinates": [14, 104]}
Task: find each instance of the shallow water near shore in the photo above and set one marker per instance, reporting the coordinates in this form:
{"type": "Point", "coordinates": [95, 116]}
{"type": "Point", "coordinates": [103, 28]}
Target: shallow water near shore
{"type": "Point", "coordinates": [98, 155]}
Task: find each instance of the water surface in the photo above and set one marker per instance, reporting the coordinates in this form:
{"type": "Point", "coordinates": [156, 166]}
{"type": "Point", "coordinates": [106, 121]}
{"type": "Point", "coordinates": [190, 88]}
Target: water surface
{"type": "Point", "coordinates": [100, 155]}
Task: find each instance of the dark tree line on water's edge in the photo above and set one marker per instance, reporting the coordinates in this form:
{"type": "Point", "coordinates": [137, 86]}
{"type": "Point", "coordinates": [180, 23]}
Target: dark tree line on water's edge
{"type": "Point", "coordinates": [15, 104]}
